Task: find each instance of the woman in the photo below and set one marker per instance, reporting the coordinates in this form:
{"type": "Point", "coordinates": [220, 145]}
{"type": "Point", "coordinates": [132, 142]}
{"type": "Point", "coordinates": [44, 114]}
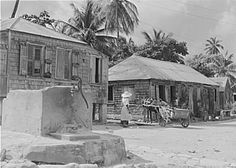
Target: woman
{"type": "Point", "coordinates": [125, 114]}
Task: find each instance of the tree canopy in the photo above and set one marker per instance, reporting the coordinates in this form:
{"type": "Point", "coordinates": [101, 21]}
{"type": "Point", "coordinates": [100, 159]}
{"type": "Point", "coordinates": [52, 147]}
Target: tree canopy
{"type": "Point", "coordinates": [121, 16]}
{"type": "Point", "coordinates": [213, 46]}
{"type": "Point", "coordinates": [163, 47]}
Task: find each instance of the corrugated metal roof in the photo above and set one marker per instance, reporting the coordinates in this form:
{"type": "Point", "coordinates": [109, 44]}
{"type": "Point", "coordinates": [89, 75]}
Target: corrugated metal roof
{"type": "Point", "coordinates": [136, 67]}
{"type": "Point", "coordinates": [222, 81]}
{"type": "Point", "coordinates": [25, 26]}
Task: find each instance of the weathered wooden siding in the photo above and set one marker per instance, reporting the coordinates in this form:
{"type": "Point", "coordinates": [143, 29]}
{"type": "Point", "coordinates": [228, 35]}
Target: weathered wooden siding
{"type": "Point", "coordinates": [18, 81]}
{"type": "Point", "coordinates": [187, 94]}
{"type": "Point", "coordinates": [141, 90]}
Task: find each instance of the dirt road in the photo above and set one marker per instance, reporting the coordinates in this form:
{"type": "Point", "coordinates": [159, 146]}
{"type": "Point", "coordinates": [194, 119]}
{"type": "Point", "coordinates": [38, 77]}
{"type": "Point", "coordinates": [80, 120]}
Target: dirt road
{"type": "Point", "coordinates": [201, 144]}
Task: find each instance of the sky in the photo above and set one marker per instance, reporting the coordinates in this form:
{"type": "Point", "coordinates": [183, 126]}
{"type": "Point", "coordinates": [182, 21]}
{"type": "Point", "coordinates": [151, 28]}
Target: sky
{"type": "Point", "coordinates": [192, 21]}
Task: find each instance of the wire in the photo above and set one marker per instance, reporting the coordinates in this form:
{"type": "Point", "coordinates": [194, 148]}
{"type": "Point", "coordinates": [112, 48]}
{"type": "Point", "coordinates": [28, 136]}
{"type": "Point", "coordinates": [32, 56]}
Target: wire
{"type": "Point", "coordinates": [198, 16]}
{"type": "Point", "coordinates": [198, 6]}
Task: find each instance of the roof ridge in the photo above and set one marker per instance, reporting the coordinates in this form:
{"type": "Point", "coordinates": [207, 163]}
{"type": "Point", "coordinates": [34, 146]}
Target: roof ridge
{"type": "Point", "coordinates": [47, 29]}
{"type": "Point", "coordinates": [135, 54]}
{"type": "Point", "coordinates": [14, 23]}
{"type": "Point", "coordinates": [52, 30]}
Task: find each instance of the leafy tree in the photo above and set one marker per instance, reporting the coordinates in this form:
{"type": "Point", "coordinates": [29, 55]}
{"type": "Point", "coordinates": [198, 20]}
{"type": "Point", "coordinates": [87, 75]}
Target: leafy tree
{"type": "Point", "coordinates": [213, 46]}
{"type": "Point", "coordinates": [88, 25]}
{"type": "Point", "coordinates": [199, 63]}
{"type": "Point", "coordinates": [15, 9]}
{"type": "Point", "coordinates": [125, 50]}
{"type": "Point", "coordinates": [223, 65]}
{"type": "Point", "coordinates": [163, 47]}
{"type": "Point", "coordinates": [121, 16]}
{"type": "Point", "coordinates": [43, 19]}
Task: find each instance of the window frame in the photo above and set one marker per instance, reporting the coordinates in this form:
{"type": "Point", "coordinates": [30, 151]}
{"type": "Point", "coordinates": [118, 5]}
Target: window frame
{"type": "Point", "coordinates": [70, 64]}
{"type": "Point", "coordinates": [42, 56]}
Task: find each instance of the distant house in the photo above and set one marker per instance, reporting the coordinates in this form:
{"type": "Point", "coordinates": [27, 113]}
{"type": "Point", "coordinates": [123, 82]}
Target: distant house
{"type": "Point", "coordinates": [226, 93]}
{"type": "Point", "coordinates": [34, 57]}
{"type": "Point", "coordinates": [145, 77]}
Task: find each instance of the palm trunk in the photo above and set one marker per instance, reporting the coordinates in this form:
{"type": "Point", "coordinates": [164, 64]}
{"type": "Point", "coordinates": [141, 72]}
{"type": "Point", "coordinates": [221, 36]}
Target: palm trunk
{"type": "Point", "coordinates": [117, 25]}
{"type": "Point", "coordinates": [15, 9]}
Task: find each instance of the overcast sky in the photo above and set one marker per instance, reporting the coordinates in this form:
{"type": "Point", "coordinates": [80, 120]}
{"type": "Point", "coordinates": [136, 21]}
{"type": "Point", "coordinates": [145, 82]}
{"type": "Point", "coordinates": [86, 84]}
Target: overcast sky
{"type": "Point", "coordinates": [193, 21]}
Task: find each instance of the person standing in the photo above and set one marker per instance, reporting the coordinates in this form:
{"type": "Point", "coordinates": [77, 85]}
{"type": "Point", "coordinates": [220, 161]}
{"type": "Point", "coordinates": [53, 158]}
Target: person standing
{"type": "Point", "coordinates": [125, 113]}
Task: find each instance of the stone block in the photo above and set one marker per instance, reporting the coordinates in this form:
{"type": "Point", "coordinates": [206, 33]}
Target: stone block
{"type": "Point", "coordinates": [40, 112]}
{"type": "Point", "coordinates": [20, 164]}
{"type": "Point", "coordinates": [70, 165]}
{"type": "Point", "coordinates": [106, 151]}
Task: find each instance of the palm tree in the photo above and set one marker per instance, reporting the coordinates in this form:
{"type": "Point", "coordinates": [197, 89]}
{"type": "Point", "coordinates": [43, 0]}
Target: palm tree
{"type": "Point", "coordinates": [213, 46]}
{"type": "Point", "coordinates": [223, 65]}
{"type": "Point", "coordinates": [121, 16]}
{"type": "Point", "coordinates": [15, 9]}
{"type": "Point", "coordinates": [87, 25]}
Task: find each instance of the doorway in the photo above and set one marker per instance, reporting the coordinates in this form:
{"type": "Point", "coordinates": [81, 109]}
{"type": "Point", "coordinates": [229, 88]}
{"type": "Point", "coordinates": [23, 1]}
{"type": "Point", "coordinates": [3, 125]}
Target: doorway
{"type": "Point", "coordinates": [162, 94]}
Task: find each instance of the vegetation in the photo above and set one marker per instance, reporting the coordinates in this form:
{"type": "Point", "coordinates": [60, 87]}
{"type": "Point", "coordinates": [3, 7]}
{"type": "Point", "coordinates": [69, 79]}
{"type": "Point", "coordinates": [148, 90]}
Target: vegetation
{"type": "Point", "coordinates": [88, 25]}
{"type": "Point", "coordinates": [93, 21]}
{"type": "Point", "coordinates": [223, 65]}
{"type": "Point", "coordinates": [43, 19]}
{"type": "Point", "coordinates": [121, 16]}
{"type": "Point", "coordinates": [199, 63]}
{"type": "Point", "coordinates": [213, 46]}
{"type": "Point", "coordinates": [214, 63]}
{"type": "Point", "coordinates": [163, 47]}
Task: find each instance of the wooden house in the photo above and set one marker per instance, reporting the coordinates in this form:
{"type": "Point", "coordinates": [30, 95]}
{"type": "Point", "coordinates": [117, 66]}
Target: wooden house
{"type": "Point", "coordinates": [34, 57]}
{"type": "Point", "coordinates": [172, 82]}
{"type": "Point", "coordinates": [226, 92]}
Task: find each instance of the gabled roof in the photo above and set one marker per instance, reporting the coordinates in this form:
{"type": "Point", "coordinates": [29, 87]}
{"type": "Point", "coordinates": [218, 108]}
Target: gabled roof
{"type": "Point", "coordinates": [222, 81]}
{"type": "Point", "coordinates": [136, 67]}
{"type": "Point", "coordinates": [25, 26]}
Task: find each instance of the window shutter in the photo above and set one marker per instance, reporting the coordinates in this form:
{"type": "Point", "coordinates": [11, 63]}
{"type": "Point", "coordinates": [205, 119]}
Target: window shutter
{"type": "Point", "coordinates": [104, 72]}
{"type": "Point", "coordinates": [92, 67]}
{"type": "Point", "coordinates": [23, 68]}
{"type": "Point", "coordinates": [75, 64]}
{"type": "Point", "coordinates": [66, 64]}
{"type": "Point", "coordinates": [60, 64]}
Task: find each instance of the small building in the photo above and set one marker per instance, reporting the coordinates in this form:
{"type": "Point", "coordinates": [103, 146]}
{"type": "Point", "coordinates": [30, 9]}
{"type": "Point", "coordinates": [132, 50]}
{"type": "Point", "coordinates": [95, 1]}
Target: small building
{"type": "Point", "coordinates": [226, 93]}
{"type": "Point", "coordinates": [35, 57]}
{"type": "Point", "coordinates": [171, 82]}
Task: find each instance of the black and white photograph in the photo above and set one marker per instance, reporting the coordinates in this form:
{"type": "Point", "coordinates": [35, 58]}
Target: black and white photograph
{"type": "Point", "coordinates": [118, 84]}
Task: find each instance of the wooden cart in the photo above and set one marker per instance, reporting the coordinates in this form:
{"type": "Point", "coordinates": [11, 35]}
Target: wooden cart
{"type": "Point", "coordinates": [166, 114]}
{"type": "Point", "coordinates": [174, 114]}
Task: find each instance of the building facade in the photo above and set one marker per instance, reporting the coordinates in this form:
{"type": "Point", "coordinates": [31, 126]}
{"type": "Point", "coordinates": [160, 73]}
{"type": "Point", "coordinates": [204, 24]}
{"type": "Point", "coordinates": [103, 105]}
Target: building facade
{"type": "Point", "coordinates": [35, 57]}
{"type": "Point", "coordinates": [225, 92]}
{"type": "Point", "coordinates": [171, 82]}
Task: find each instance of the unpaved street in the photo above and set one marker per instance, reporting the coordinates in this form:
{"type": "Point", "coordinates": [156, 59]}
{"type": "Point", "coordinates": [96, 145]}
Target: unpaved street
{"type": "Point", "coordinates": [204, 144]}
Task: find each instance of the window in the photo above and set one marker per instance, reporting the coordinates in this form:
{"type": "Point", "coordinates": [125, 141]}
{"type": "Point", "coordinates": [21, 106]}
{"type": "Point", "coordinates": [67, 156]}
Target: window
{"type": "Point", "coordinates": [63, 68]}
{"type": "Point", "coordinates": [35, 60]}
{"type": "Point", "coordinates": [95, 66]}
{"type": "Point", "coordinates": [162, 94]}
{"type": "Point", "coordinates": [110, 93]}
{"type": "Point", "coordinates": [172, 93]}
{"type": "Point", "coordinates": [97, 70]}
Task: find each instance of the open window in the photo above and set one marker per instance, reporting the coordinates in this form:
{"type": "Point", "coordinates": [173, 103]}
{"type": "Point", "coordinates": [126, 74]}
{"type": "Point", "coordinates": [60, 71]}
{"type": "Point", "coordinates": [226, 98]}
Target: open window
{"type": "Point", "coordinates": [110, 93]}
{"type": "Point", "coordinates": [95, 66]}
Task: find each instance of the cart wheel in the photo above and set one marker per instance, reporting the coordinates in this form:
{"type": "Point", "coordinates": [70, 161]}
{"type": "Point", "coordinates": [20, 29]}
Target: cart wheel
{"type": "Point", "coordinates": [162, 122]}
{"type": "Point", "coordinates": [185, 123]}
